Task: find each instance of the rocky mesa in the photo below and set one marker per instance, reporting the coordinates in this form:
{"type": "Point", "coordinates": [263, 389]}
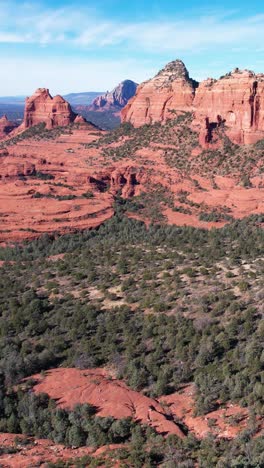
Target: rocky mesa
{"type": "Point", "coordinates": [235, 102]}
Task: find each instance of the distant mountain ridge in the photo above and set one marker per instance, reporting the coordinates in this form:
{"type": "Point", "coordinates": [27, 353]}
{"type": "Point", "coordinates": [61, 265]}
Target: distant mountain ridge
{"type": "Point", "coordinates": [83, 98]}
{"type": "Point", "coordinates": [116, 99]}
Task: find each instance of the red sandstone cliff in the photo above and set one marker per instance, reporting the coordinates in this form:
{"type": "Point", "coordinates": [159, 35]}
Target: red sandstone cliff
{"type": "Point", "coordinates": [42, 107]}
{"type": "Point", "coordinates": [6, 126]}
{"type": "Point", "coordinates": [170, 89]}
{"type": "Point", "coordinates": [235, 101]}
{"type": "Point", "coordinates": [116, 99]}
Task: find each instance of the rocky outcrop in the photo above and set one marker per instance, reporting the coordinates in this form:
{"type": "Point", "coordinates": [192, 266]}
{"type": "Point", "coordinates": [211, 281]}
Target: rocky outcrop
{"type": "Point", "coordinates": [6, 126]}
{"type": "Point", "coordinates": [14, 171]}
{"type": "Point", "coordinates": [124, 180]}
{"type": "Point", "coordinates": [116, 99]}
{"type": "Point", "coordinates": [111, 396]}
{"type": "Point", "coordinates": [235, 101]}
{"type": "Point", "coordinates": [170, 90]}
{"type": "Point", "coordinates": [42, 107]}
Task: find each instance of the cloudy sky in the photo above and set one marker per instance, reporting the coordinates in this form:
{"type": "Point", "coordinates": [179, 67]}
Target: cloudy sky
{"type": "Point", "coordinates": [72, 46]}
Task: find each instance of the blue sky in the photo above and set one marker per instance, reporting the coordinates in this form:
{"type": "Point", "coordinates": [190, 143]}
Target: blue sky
{"type": "Point", "coordinates": [88, 45]}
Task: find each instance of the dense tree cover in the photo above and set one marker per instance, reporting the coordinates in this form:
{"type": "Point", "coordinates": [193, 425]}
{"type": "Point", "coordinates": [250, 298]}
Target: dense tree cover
{"type": "Point", "coordinates": [203, 294]}
{"type": "Point", "coordinates": [25, 412]}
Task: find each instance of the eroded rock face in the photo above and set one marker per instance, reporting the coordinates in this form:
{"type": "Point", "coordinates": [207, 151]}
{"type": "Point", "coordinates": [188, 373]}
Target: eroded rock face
{"type": "Point", "coordinates": [6, 126]}
{"type": "Point", "coordinates": [117, 98]}
{"type": "Point", "coordinates": [237, 101]}
{"type": "Point", "coordinates": [111, 396]}
{"type": "Point", "coordinates": [170, 89]}
{"type": "Point", "coordinates": [121, 180]}
{"type": "Point", "coordinates": [42, 107]}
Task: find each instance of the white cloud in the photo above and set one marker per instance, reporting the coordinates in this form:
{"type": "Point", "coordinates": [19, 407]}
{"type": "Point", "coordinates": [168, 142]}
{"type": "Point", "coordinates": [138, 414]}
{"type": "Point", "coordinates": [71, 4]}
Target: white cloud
{"type": "Point", "coordinates": [84, 28]}
{"type": "Point", "coordinates": [139, 46]}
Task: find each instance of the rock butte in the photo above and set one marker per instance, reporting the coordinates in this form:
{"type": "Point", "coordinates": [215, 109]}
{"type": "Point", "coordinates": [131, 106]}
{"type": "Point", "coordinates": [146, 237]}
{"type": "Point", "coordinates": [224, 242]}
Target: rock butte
{"type": "Point", "coordinates": [115, 99]}
{"type": "Point", "coordinates": [53, 111]}
{"type": "Point", "coordinates": [6, 126]}
{"type": "Point", "coordinates": [171, 88]}
{"type": "Point", "coordinates": [235, 100]}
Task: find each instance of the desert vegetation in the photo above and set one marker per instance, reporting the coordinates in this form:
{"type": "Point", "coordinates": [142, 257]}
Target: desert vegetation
{"type": "Point", "coordinates": [163, 306]}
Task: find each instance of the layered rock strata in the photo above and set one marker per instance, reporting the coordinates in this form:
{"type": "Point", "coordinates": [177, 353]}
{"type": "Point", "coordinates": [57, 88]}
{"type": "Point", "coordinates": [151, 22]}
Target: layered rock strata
{"type": "Point", "coordinates": [42, 107]}
{"type": "Point", "coordinates": [157, 99]}
{"type": "Point", "coordinates": [235, 102]}
{"type": "Point", "coordinates": [6, 126]}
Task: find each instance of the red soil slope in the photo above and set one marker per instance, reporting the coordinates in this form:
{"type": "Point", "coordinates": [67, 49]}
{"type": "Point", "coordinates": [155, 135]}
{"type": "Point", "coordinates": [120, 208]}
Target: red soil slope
{"type": "Point", "coordinates": [39, 452]}
{"type": "Point", "coordinates": [30, 206]}
{"type": "Point", "coordinates": [227, 421]}
{"type": "Point", "coordinates": [23, 214]}
{"type": "Point", "coordinates": [113, 398]}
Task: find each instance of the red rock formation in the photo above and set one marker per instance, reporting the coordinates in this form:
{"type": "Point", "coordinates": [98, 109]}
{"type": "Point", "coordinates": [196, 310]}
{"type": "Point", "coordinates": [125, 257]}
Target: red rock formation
{"type": "Point", "coordinates": [79, 119]}
{"type": "Point", "coordinates": [123, 179]}
{"type": "Point", "coordinates": [116, 99]}
{"type": "Point", "coordinates": [170, 89]}
{"type": "Point", "coordinates": [6, 126]}
{"type": "Point", "coordinates": [237, 101]}
{"type": "Point", "coordinates": [111, 396]}
{"type": "Point", "coordinates": [42, 107]}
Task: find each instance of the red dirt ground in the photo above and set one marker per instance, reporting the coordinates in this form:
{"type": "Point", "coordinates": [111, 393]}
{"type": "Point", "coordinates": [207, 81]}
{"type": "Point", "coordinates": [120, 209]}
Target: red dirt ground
{"type": "Point", "coordinates": [113, 398]}
{"type": "Point", "coordinates": [38, 452]}
{"type": "Point", "coordinates": [181, 404]}
{"type": "Point", "coordinates": [23, 216]}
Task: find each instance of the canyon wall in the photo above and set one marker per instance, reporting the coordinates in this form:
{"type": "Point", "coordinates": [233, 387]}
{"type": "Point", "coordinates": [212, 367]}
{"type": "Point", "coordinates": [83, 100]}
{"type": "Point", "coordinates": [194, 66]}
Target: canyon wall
{"type": "Point", "coordinates": [235, 102]}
